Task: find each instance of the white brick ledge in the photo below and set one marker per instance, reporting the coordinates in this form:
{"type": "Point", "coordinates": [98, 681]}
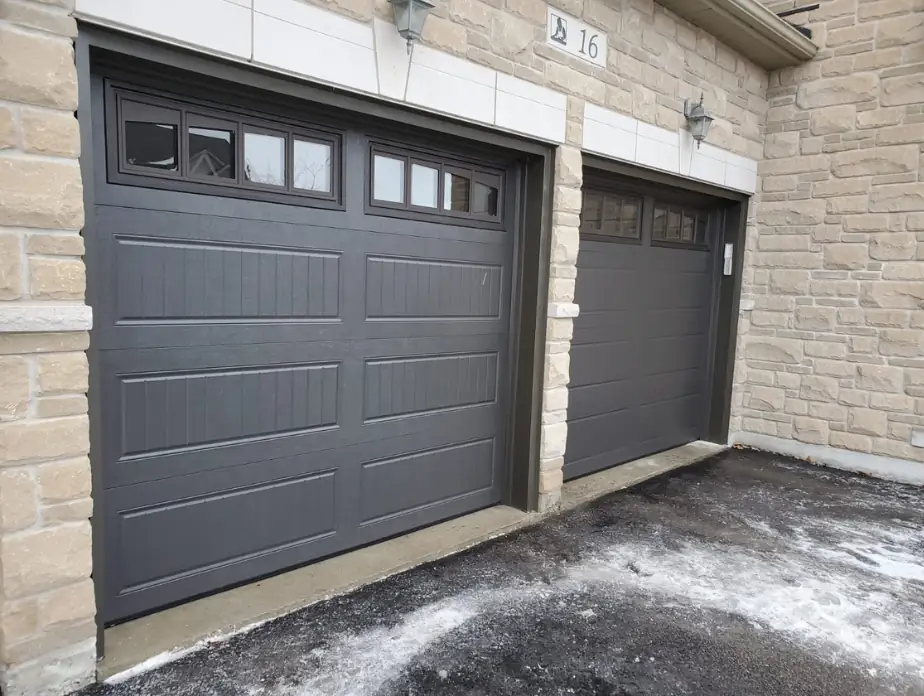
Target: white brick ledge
{"type": "Point", "coordinates": [45, 318]}
{"type": "Point", "coordinates": [563, 310]}
{"type": "Point", "coordinates": [889, 468]}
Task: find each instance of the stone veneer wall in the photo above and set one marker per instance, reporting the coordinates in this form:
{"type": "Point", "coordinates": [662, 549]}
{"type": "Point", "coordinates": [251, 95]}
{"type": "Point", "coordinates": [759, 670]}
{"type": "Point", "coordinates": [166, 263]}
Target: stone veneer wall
{"type": "Point", "coordinates": [47, 629]}
{"type": "Point", "coordinates": [831, 350]}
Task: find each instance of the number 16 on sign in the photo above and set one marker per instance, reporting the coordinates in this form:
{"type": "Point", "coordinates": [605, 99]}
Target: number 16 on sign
{"type": "Point", "coordinates": [573, 36]}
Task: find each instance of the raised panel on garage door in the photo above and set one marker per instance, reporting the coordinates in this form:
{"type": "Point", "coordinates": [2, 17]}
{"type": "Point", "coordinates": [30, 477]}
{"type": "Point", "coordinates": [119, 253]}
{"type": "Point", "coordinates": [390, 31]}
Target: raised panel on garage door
{"type": "Point", "coordinates": [288, 367]}
{"type": "Point", "coordinates": [641, 345]}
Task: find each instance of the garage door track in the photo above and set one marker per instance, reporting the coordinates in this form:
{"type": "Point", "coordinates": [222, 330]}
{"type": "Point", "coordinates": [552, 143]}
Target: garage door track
{"type": "Point", "coordinates": [744, 575]}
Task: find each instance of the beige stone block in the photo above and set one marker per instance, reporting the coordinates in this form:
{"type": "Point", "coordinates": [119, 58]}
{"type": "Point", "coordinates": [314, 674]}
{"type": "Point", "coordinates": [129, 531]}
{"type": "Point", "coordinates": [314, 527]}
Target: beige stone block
{"type": "Point", "coordinates": [876, 9]}
{"type": "Point", "coordinates": [850, 35]}
{"type": "Point", "coordinates": [561, 290]}
{"type": "Point", "coordinates": [67, 605]}
{"type": "Point", "coordinates": [10, 267]}
{"type": "Point", "coordinates": [785, 144]}
{"type": "Point", "coordinates": [772, 349]}
{"type": "Point", "coordinates": [900, 31]}
{"type": "Point", "coordinates": [559, 329]}
{"type": "Point", "coordinates": [879, 378]}
{"type": "Point", "coordinates": [901, 343]}
{"type": "Point", "coordinates": [873, 161]}
{"type": "Point", "coordinates": [905, 89]}
{"type": "Point", "coordinates": [571, 81]}
{"type": "Point", "coordinates": [56, 438]}
{"type": "Point", "coordinates": [533, 10]}
{"type": "Point", "coordinates": [9, 133]}
{"type": "Point", "coordinates": [40, 16]}
{"type": "Point", "coordinates": [843, 205]}
{"type": "Point", "coordinates": [511, 36]}
{"type": "Point", "coordinates": [38, 69]}
{"type": "Point", "coordinates": [810, 430]}
{"type": "Point", "coordinates": [472, 13]}
{"type": "Point", "coordinates": [445, 35]}
{"type": "Point", "coordinates": [57, 406]}
{"type": "Point", "coordinates": [850, 441]}
{"type": "Point", "coordinates": [789, 282]}
{"type": "Point", "coordinates": [41, 560]}
{"type": "Point", "coordinates": [790, 213]}
{"type": "Point", "coordinates": [839, 187]}
{"type": "Point", "coordinates": [850, 89]}
{"type": "Point", "coordinates": [14, 388]}
{"type": "Point", "coordinates": [555, 399]}
{"type": "Point", "coordinates": [50, 133]}
{"type": "Point", "coordinates": [863, 344]}
{"type": "Point", "coordinates": [40, 193]}
{"type": "Point", "coordinates": [818, 388]}
{"type": "Point", "coordinates": [879, 118]}
{"type": "Point", "coordinates": [644, 104]}
{"type": "Point", "coordinates": [815, 318]}
{"type": "Point", "coordinates": [893, 246]}
{"type": "Point", "coordinates": [557, 370]}
{"type": "Point", "coordinates": [892, 295]}
{"type": "Point", "coordinates": [825, 349]}
{"type": "Point", "coordinates": [55, 244]}
{"type": "Point", "coordinates": [568, 166]}
{"type": "Point", "coordinates": [835, 368]}
{"type": "Point", "coordinates": [911, 133]}
{"type": "Point", "coordinates": [771, 184]}
{"type": "Point", "coordinates": [13, 343]}
{"type": "Point", "coordinates": [865, 223]}
{"type": "Point", "coordinates": [73, 511]}
{"type": "Point", "coordinates": [565, 244]}
{"type": "Point", "coordinates": [550, 480]}
{"type": "Point", "coordinates": [18, 621]}
{"type": "Point", "coordinates": [57, 279]}
{"type": "Point", "coordinates": [897, 403]}
{"type": "Point", "coordinates": [848, 257]}
{"type": "Point", "coordinates": [795, 407]}
{"type": "Point", "coordinates": [766, 399]}
{"type": "Point", "coordinates": [851, 316]}
{"type": "Point", "coordinates": [65, 480]}
{"type": "Point", "coordinates": [834, 288]}
{"type": "Point", "coordinates": [63, 372]}
{"type": "Point", "coordinates": [853, 397]}
{"type": "Point", "coordinates": [18, 500]}
{"type": "Point", "coordinates": [889, 318]}
{"type": "Point", "coordinates": [566, 200]}
{"type": "Point", "coordinates": [827, 411]}
{"type": "Point", "coordinates": [913, 270]}
{"type": "Point", "coordinates": [795, 165]}
{"type": "Point", "coordinates": [867, 422]}
{"type": "Point", "coordinates": [834, 119]}
{"type": "Point", "coordinates": [553, 440]}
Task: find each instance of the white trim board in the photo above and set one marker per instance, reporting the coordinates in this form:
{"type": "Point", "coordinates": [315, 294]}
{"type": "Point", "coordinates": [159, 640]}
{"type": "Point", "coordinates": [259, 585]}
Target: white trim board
{"type": "Point", "coordinates": [44, 318]}
{"type": "Point", "coordinates": [888, 468]}
{"type": "Point", "coordinates": [621, 137]}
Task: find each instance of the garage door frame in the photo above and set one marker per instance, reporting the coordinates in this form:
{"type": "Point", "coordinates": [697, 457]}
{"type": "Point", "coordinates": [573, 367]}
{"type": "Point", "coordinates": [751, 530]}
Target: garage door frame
{"type": "Point", "coordinates": [726, 301]}
{"type": "Point", "coordinates": [532, 247]}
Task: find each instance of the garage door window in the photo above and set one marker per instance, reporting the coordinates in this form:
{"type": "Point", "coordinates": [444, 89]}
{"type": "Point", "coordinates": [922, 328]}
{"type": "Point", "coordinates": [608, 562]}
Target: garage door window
{"type": "Point", "coordinates": [406, 181]}
{"type": "Point", "coordinates": [676, 225]}
{"type": "Point", "coordinates": [163, 143]}
{"type": "Point", "coordinates": [611, 215]}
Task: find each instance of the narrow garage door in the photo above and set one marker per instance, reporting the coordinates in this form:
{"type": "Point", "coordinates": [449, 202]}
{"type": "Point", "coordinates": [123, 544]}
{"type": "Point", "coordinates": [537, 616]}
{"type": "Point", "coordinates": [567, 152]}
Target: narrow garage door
{"type": "Point", "coordinates": [302, 330]}
{"type": "Point", "coordinates": [641, 345]}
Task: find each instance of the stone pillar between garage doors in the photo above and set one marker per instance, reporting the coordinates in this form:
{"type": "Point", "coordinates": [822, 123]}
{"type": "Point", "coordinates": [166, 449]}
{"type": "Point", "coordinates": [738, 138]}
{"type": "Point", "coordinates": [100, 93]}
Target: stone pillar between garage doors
{"type": "Point", "coordinates": [566, 214]}
{"type": "Point", "coordinates": [47, 627]}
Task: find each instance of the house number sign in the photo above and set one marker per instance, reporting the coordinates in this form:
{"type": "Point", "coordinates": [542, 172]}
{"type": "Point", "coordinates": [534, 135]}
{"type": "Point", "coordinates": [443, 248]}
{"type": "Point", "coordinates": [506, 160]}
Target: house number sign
{"type": "Point", "coordinates": [573, 36]}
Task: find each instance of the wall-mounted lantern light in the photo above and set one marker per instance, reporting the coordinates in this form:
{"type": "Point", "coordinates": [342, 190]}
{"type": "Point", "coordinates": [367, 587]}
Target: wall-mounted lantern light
{"type": "Point", "coordinates": [410, 16]}
{"type": "Point", "coordinates": [698, 118]}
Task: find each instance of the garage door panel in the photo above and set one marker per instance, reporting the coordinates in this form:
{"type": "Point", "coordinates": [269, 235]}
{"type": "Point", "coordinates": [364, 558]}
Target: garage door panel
{"type": "Point", "coordinates": [162, 541]}
{"type": "Point", "coordinates": [605, 362]}
{"type": "Point", "coordinates": [393, 486]}
{"type": "Point", "coordinates": [603, 327]}
{"type": "Point", "coordinates": [598, 398]}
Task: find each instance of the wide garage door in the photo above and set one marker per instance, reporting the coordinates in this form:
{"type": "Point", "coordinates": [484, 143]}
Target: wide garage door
{"type": "Point", "coordinates": [302, 335]}
{"type": "Point", "coordinates": [640, 355]}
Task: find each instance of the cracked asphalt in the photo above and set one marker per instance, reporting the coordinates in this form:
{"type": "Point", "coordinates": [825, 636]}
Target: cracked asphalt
{"type": "Point", "coordinates": [746, 574]}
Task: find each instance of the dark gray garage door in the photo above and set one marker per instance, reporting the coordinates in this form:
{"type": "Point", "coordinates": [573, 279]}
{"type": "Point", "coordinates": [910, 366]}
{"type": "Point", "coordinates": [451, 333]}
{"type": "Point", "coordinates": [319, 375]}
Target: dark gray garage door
{"type": "Point", "coordinates": [640, 353]}
{"type": "Point", "coordinates": [302, 332]}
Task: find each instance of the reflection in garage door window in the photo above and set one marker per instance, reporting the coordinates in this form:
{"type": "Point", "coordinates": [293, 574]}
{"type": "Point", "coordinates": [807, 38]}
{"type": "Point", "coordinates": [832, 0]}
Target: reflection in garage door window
{"type": "Point", "coordinates": [611, 215]}
{"type": "Point", "coordinates": [211, 153]}
{"type": "Point", "coordinates": [312, 165]}
{"type": "Point", "coordinates": [388, 179]}
{"type": "Point", "coordinates": [425, 186]}
{"type": "Point", "coordinates": [151, 145]}
{"type": "Point", "coordinates": [265, 159]}
{"type": "Point", "coordinates": [681, 226]}
{"type": "Point", "coordinates": [484, 199]}
{"type": "Point", "coordinates": [457, 191]}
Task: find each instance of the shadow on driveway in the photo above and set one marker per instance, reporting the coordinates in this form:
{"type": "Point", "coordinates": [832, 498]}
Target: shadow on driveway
{"type": "Point", "coordinates": [743, 575]}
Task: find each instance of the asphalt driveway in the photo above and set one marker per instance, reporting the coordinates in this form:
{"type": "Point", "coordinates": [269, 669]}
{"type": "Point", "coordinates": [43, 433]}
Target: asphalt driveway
{"type": "Point", "coordinates": [744, 575]}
